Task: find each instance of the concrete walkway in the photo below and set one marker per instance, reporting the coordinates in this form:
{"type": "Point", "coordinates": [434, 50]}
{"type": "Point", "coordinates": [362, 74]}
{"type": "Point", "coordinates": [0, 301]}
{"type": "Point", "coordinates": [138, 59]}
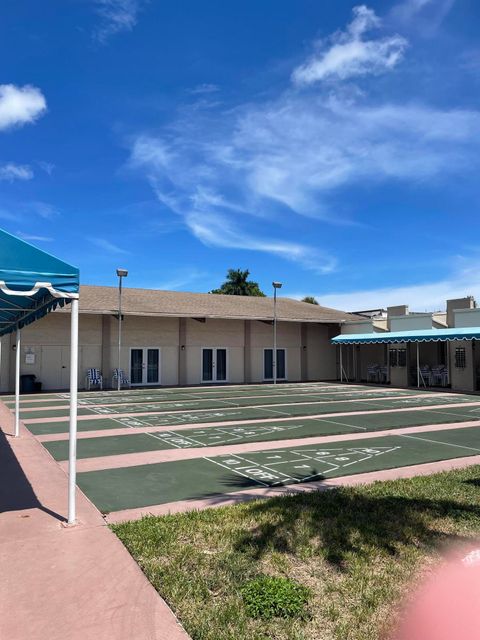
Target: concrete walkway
{"type": "Point", "coordinates": [62, 583]}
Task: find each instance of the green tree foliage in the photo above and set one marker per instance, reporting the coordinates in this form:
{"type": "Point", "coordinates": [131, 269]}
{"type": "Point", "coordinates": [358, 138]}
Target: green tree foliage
{"type": "Point", "coordinates": [238, 284]}
{"type": "Point", "coordinates": [309, 299]}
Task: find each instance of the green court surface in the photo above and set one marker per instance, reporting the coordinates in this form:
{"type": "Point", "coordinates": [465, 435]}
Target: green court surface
{"type": "Point", "coordinates": [297, 409]}
{"type": "Point", "coordinates": [256, 432]}
{"type": "Point", "coordinates": [145, 485]}
{"type": "Point", "coordinates": [206, 403]}
{"type": "Point", "coordinates": [159, 395]}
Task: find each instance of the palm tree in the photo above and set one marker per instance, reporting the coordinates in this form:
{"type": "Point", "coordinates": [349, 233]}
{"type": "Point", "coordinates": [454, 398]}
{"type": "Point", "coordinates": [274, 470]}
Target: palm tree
{"type": "Point", "coordinates": [309, 299]}
{"type": "Point", "coordinates": [238, 284]}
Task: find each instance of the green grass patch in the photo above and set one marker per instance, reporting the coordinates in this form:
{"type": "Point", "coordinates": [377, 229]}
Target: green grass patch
{"type": "Point", "coordinates": [352, 553]}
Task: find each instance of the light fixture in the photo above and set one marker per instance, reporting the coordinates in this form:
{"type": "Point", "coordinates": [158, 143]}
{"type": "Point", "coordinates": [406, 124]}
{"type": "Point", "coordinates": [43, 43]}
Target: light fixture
{"type": "Point", "coordinates": [122, 273]}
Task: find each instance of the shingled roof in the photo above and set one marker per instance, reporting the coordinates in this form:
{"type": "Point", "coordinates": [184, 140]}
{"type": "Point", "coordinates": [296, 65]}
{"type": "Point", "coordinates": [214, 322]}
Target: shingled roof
{"type": "Point", "coordinates": [153, 302]}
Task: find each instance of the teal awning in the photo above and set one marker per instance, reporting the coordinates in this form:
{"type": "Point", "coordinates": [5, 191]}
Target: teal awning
{"type": "Point", "coordinates": [419, 335]}
{"type": "Point", "coordinates": [32, 283]}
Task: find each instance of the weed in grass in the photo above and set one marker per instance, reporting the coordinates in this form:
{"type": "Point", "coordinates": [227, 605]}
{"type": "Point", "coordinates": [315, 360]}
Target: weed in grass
{"type": "Point", "coordinates": [275, 597]}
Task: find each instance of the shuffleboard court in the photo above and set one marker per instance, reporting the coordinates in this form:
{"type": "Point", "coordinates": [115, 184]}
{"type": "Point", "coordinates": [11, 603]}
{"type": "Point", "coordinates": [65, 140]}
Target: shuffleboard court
{"type": "Point", "coordinates": [179, 417]}
{"type": "Point", "coordinates": [160, 483]}
{"type": "Point", "coordinates": [203, 403]}
{"type": "Point", "coordinates": [256, 432]}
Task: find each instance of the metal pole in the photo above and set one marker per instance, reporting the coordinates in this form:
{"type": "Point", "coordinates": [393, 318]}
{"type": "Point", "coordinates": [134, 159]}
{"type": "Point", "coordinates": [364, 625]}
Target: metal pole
{"type": "Point", "coordinates": [72, 443]}
{"type": "Point", "coordinates": [274, 355]}
{"type": "Point", "coordinates": [17, 382]}
{"type": "Point", "coordinates": [341, 365]}
{"type": "Point", "coordinates": [119, 330]}
{"type": "Point", "coordinates": [418, 365]}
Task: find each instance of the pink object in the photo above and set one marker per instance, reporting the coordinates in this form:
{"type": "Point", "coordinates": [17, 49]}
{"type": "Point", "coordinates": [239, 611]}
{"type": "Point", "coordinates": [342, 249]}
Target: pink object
{"type": "Point", "coordinates": [447, 605]}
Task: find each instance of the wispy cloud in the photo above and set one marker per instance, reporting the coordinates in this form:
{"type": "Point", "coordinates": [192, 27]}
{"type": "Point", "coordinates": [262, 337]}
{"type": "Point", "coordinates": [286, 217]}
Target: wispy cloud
{"type": "Point", "coordinates": [115, 16]}
{"type": "Point", "coordinates": [33, 238]}
{"type": "Point", "coordinates": [205, 87]}
{"type": "Point", "coordinates": [12, 171]}
{"type": "Point", "coordinates": [234, 175]}
{"type": "Point", "coordinates": [20, 105]}
{"type": "Point", "coordinates": [347, 54]}
{"type": "Point", "coordinates": [180, 279]}
{"type": "Point", "coordinates": [431, 295]}
{"type": "Point", "coordinates": [425, 16]}
{"type": "Point", "coordinates": [42, 209]}
{"type": "Point", "coordinates": [48, 167]}
{"type": "Point", "coordinates": [108, 246]}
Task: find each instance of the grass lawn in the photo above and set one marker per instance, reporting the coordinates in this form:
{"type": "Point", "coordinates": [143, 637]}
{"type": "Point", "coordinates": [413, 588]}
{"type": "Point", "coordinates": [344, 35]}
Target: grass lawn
{"type": "Point", "coordinates": [355, 550]}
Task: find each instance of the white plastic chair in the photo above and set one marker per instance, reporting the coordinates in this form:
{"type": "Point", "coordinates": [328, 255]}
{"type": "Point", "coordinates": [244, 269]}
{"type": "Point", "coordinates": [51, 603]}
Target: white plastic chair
{"type": "Point", "coordinates": [124, 381]}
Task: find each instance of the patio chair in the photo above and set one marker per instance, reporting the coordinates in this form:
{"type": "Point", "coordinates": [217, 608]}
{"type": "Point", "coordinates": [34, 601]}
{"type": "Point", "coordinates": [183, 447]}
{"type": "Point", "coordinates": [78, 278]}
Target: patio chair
{"type": "Point", "coordinates": [426, 375]}
{"type": "Point", "coordinates": [124, 381]}
{"type": "Point", "coordinates": [440, 375]}
{"type": "Point", "coordinates": [93, 378]}
{"type": "Point", "coordinates": [383, 374]}
{"type": "Point", "coordinates": [372, 373]}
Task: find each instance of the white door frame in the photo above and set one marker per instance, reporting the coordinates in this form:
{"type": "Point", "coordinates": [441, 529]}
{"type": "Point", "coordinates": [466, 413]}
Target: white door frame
{"type": "Point", "coordinates": [144, 383]}
{"type": "Point", "coordinates": [286, 363]}
{"type": "Point", "coordinates": [214, 363]}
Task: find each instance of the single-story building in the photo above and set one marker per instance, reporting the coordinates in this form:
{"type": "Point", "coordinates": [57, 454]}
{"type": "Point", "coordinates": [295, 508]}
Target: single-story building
{"type": "Point", "coordinates": [178, 338]}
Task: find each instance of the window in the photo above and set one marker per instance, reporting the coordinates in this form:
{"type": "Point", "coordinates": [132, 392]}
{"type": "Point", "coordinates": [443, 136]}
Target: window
{"type": "Point", "coordinates": [402, 357]}
{"type": "Point", "coordinates": [393, 358]}
{"type": "Point", "coordinates": [460, 358]}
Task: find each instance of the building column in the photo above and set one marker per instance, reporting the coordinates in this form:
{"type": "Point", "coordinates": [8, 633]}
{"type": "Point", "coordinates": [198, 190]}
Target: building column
{"type": "Point", "coordinates": [182, 351]}
{"type": "Point", "coordinates": [247, 351]}
{"type": "Point", "coordinates": [303, 352]}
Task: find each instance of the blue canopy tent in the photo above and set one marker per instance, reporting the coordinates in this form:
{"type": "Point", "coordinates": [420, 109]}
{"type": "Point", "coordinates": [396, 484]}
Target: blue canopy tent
{"type": "Point", "coordinates": [416, 336]}
{"type": "Point", "coordinates": [33, 283]}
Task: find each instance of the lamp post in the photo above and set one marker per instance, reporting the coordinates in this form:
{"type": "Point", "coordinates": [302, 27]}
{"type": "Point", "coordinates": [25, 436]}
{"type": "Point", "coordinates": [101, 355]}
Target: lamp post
{"type": "Point", "coordinates": [121, 273]}
{"type": "Point", "coordinates": [275, 285]}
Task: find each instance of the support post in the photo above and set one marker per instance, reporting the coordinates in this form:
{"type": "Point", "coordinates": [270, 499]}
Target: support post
{"type": "Point", "coordinates": [418, 365]}
{"type": "Point", "coordinates": [274, 354]}
{"type": "Point", "coordinates": [17, 382]}
{"type": "Point", "coordinates": [119, 331]}
{"type": "Point", "coordinates": [72, 445]}
{"type": "Point", "coordinates": [341, 365]}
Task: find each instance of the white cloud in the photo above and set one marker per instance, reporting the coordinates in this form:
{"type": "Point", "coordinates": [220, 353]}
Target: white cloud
{"type": "Point", "coordinates": [33, 238]}
{"type": "Point", "coordinates": [20, 105]}
{"type": "Point", "coordinates": [11, 171]}
{"type": "Point", "coordinates": [205, 87]}
{"type": "Point", "coordinates": [115, 16]}
{"type": "Point", "coordinates": [463, 281]}
{"type": "Point", "coordinates": [350, 55]}
{"type": "Point", "coordinates": [42, 209]}
{"type": "Point", "coordinates": [48, 167]}
{"type": "Point", "coordinates": [108, 246]}
{"type": "Point", "coordinates": [425, 15]}
{"type": "Point", "coordinates": [234, 175]}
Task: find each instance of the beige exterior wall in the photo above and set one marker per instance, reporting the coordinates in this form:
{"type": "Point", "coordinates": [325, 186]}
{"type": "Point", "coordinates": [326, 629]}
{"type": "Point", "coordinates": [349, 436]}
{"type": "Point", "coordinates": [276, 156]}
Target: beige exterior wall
{"type": "Point", "coordinates": [411, 322]}
{"type": "Point", "coordinates": [463, 379]}
{"type": "Point", "coordinates": [309, 353]}
{"type": "Point", "coordinates": [466, 318]}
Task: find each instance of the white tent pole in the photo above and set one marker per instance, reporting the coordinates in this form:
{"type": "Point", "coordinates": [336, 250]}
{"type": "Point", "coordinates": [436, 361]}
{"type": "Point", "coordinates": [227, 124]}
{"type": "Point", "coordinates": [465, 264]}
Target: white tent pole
{"type": "Point", "coordinates": [17, 383]}
{"type": "Point", "coordinates": [418, 365]}
{"type": "Point", "coordinates": [341, 365]}
{"type": "Point", "coordinates": [72, 450]}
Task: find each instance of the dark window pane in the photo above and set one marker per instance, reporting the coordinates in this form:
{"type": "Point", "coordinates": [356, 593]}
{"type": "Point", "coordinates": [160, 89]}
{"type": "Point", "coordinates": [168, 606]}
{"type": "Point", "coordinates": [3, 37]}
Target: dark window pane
{"type": "Point", "coordinates": [281, 363]}
{"type": "Point", "coordinates": [402, 357]}
{"type": "Point", "coordinates": [460, 358]}
{"type": "Point", "coordinates": [268, 364]}
{"type": "Point", "coordinates": [136, 366]}
{"type": "Point", "coordinates": [207, 365]}
{"type": "Point", "coordinates": [221, 364]}
{"type": "Point", "coordinates": [152, 365]}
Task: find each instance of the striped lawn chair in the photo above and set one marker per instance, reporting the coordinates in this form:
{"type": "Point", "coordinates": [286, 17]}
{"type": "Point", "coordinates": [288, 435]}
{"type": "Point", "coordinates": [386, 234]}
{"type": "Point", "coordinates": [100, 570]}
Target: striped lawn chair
{"type": "Point", "coordinates": [93, 379]}
{"type": "Point", "coordinates": [372, 373]}
{"type": "Point", "coordinates": [124, 381]}
{"type": "Point", "coordinates": [383, 374]}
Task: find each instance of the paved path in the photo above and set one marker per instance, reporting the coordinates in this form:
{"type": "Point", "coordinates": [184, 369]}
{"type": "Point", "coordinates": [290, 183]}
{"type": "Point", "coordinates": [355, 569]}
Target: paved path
{"type": "Point", "coordinates": [62, 583]}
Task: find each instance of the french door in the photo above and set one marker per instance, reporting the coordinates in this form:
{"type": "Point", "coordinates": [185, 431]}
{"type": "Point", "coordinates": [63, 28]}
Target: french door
{"type": "Point", "coordinates": [214, 365]}
{"type": "Point", "coordinates": [268, 364]}
{"type": "Point", "coordinates": [144, 365]}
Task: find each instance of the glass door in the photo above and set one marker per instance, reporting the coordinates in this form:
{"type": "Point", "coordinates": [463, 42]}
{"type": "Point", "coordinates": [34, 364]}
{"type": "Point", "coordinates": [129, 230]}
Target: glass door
{"type": "Point", "coordinates": [268, 364]}
{"type": "Point", "coordinates": [214, 365]}
{"type": "Point", "coordinates": [145, 365]}
{"type": "Point", "coordinates": [136, 366]}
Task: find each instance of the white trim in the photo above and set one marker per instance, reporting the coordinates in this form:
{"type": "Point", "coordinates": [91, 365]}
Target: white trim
{"type": "Point", "coordinates": [286, 363]}
{"type": "Point", "coordinates": [38, 285]}
{"type": "Point", "coordinates": [214, 365]}
{"type": "Point", "coordinates": [17, 382]}
{"type": "Point", "coordinates": [144, 383]}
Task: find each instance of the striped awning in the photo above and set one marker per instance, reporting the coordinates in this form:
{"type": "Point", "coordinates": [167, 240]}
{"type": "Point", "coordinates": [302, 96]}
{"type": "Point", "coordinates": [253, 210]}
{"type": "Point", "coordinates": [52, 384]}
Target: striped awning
{"type": "Point", "coordinates": [419, 335]}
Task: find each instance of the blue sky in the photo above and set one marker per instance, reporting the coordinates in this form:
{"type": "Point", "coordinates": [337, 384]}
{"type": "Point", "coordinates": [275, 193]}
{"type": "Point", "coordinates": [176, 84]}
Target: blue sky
{"type": "Point", "coordinates": [331, 145]}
